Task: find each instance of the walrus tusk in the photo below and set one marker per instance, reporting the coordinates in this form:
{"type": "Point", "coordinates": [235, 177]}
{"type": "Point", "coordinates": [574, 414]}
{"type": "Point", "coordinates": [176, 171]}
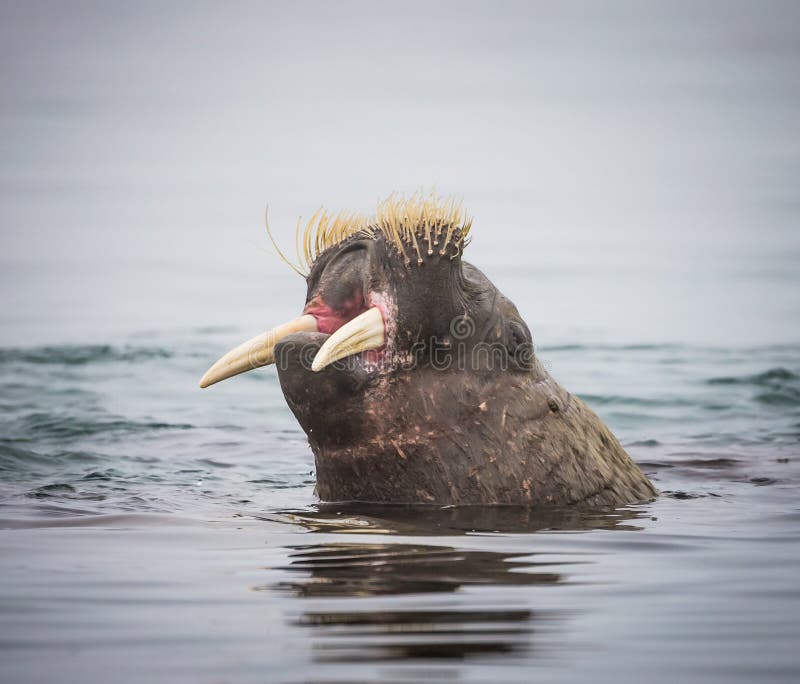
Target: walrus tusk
{"type": "Point", "coordinates": [363, 332]}
{"type": "Point", "coordinates": [257, 352]}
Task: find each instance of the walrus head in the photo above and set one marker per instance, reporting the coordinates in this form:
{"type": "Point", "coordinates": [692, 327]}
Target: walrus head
{"type": "Point", "coordinates": [412, 375]}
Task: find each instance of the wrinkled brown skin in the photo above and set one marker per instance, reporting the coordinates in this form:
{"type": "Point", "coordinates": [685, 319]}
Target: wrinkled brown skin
{"type": "Point", "coordinates": [523, 441]}
{"type": "Point", "coordinates": [483, 436]}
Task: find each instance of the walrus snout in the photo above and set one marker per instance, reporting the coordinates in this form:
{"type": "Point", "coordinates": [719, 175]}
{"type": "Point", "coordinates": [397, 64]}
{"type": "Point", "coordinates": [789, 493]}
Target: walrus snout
{"type": "Point", "coordinates": [328, 402]}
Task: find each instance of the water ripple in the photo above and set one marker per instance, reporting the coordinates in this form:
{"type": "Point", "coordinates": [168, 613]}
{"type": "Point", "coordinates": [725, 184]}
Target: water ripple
{"type": "Point", "coordinates": [79, 355]}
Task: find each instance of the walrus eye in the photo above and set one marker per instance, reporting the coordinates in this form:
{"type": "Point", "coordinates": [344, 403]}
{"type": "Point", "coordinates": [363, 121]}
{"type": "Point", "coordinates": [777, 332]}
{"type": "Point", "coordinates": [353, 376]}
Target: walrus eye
{"type": "Point", "coordinates": [517, 335]}
{"type": "Point", "coordinates": [519, 343]}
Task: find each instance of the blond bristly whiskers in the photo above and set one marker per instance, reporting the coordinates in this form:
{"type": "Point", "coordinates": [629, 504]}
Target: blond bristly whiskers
{"type": "Point", "coordinates": [296, 268]}
{"type": "Point", "coordinates": [416, 225]}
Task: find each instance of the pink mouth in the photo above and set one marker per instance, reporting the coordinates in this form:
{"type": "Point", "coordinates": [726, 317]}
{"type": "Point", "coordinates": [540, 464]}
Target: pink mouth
{"type": "Point", "coordinates": [330, 320]}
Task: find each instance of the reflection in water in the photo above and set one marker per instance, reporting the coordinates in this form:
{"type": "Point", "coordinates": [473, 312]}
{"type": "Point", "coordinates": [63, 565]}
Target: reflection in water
{"type": "Point", "coordinates": [388, 569]}
{"type": "Point", "coordinates": [350, 637]}
{"type": "Point", "coordinates": [361, 518]}
{"type": "Point", "coordinates": [479, 623]}
{"type": "Point", "coordinates": [456, 602]}
{"type": "Point", "coordinates": [415, 631]}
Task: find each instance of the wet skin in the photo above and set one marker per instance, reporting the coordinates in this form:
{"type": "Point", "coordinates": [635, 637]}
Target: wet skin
{"type": "Point", "coordinates": [454, 407]}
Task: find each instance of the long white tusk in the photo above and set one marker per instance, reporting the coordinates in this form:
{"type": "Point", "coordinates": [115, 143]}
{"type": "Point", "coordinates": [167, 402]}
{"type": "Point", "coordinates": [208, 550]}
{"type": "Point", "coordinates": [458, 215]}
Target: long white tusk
{"type": "Point", "coordinates": [260, 351]}
{"type": "Point", "coordinates": [364, 332]}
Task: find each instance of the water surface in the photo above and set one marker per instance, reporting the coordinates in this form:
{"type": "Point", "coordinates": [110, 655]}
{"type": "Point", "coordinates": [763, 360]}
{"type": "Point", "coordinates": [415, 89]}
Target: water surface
{"type": "Point", "coordinates": [632, 171]}
{"type": "Point", "coordinates": [148, 536]}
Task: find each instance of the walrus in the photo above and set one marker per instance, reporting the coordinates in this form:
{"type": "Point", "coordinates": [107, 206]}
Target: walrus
{"type": "Point", "coordinates": [415, 378]}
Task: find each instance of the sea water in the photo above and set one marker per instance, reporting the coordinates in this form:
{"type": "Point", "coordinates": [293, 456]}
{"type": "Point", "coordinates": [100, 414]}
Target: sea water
{"type": "Point", "coordinates": [632, 172]}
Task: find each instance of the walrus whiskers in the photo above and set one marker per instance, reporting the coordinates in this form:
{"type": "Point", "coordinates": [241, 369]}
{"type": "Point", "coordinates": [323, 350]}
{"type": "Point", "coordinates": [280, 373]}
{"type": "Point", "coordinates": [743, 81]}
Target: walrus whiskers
{"type": "Point", "coordinates": [402, 220]}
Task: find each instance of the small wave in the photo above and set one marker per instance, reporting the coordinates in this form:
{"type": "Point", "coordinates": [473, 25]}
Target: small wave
{"type": "Point", "coordinates": [14, 459]}
{"type": "Point", "coordinates": [780, 386]}
{"type": "Point", "coordinates": [762, 481]}
{"type": "Point", "coordinates": [645, 443]}
{"type": "Point", "coordinates": [215, 463]}
{"type": "Point", "coordinates": [64, 491]}
{"type": "Point", "coordinates": [107, 475]}
{"type": "Point", "coordinates": [786, 396]}
{"type": "Point", "coordinates": [275, 483]}
{"type": "Point", "coordinates": [681, 495]}
{"type": "Point", "coordinates": [54, 489]}
{"type": "Point", "coordinates": [720, 462]}
{"type": "Point", "coordinates": [654, 465]}
{"type": "Point", "coordinates": [608, 347]}
{"type": "Point", "coordinates": [766, 379]}
{"type": "Point", "coordinates": [561, 348]}
{"type": "Point", "coordinates": [615, 400]}
{"type": "Point", "coordinates": [79, 355]}
{"type": "Point", "coordinates": [35, 426]}
{"type": "Point", "coordinates": [59, 516]}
